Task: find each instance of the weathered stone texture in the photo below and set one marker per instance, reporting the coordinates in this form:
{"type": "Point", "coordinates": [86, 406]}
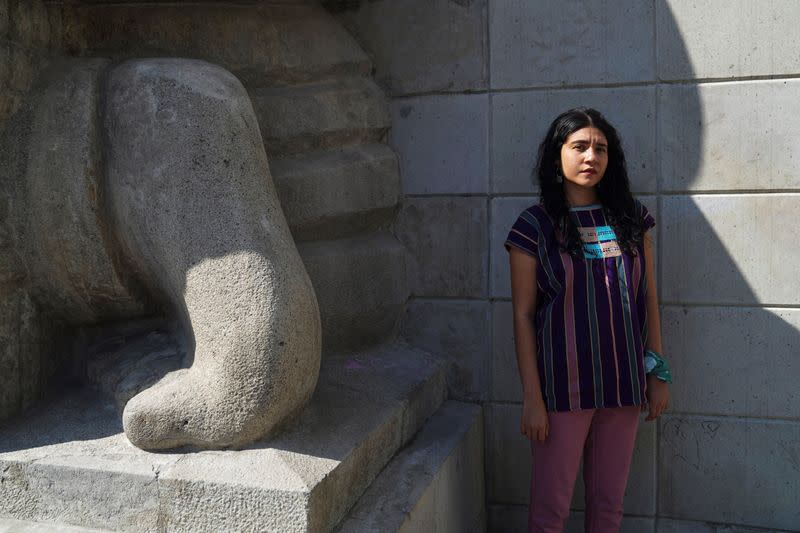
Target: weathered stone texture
{"type": "Point", "coordinates": [739, 361]}
{"type": "Point", "coordinates": [520, 121]}
{"type": "Point", "coordinates": [442, 143]}
{"type": "Point", "coordinates": [730, 470]}
{"type": "Point", "coordinates": [435, 484]}
{"type": "Point", "coordinates": [726, 39]}
{"type": "Point", "coordinates": [423, 46]}
{"type": "Point", "coordinates": [196, 215]}
{"type": "Point", "coordinates": [535, 43]}
{"type": "Point", "coordinates": [29, 24]}
{"type": "Point", "coordinates": [736, 245]}
{"type": "Point", "coordinates": [446, 241]}
{"type": "Point", "coordinates": [339, 193]}
{"type": "Point", "coordinates": [457, 330]}
{"type": "Point", "coordinates": [360, 283]}
{"type": "Point", "coordinates": [263, 45]}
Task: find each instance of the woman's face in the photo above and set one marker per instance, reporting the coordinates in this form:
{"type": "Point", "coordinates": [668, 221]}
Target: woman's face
{"type": "Point", "coordinates": [584, 158]}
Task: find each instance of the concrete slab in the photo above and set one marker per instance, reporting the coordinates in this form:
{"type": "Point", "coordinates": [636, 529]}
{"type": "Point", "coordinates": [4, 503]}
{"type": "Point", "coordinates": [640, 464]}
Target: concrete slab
{"type": "Point", "coordinates": [423, 46]}
{"type": "Point", "coordinates": [729, 136]}
{"type": "Point", "coordinates": [751, 352]}
{"type": "Point", "coordinates": [666, 525]}
{"type": "Point", "coordinates": [70, 462]}
{"type": "Point", "coordinates": [736, 248]}
{"type": "Point", "coordinates": [573, 43]}
{"type": "Point", "coordinates": [434, 484]}
{"type": "Point", "coordinates": [520, 120]}
{"type": "Point", "coordinates": [361, 288]}
{"type": "Point", "coordinates": [445, 240]}
{"type": "Point", "coordinates": [459, 330]}
{"type": "Point", "coordinates": [726, 39]}
{"type": "Point", "coordinates": [506, 385]}
{"type": "Point", "coordinates": [320, 116]}
{"type": "Point", "coordinates": [442, 143]}
{"type": "Point", "coordinates": [328, 195]}
{"type": "Point", "coordinates": [711, 467]}
{"type": "Point", "coordinates": [8, 525]}
{"type": "Point", "coordinates": [504, 518]}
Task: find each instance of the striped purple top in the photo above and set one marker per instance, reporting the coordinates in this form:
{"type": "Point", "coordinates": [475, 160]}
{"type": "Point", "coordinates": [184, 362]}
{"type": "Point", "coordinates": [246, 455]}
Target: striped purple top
{"type": "Point", "coordinates": [591, 314]}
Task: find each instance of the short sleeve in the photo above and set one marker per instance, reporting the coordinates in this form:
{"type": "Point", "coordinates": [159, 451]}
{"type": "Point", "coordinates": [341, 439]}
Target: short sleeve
{"type": "Point", "coordinates": [524, 234]}
{"type": "Point", "coordinates": [644, 215]}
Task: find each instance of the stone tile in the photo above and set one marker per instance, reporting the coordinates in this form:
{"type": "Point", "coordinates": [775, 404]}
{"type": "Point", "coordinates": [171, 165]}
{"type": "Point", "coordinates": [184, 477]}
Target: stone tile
{"type": "Point", "coordinates": [640, 494]}
{"type": "Point", "coordinates": [730, 470]}
{"type": "Point", "coordinates": [630, 524]}
{"type": "Point", "coordinates": [508, 455]}
{"type": "Point", "coordinates": [723, 38]}
{"type": "Point", "coordinates": [3, 18]}
{"type": "Point", "coordinates": [442, 143]}
{"type": "Point", "coordinates": [506, 518]}
{"type": "Point", "coordinates": [666, 525]}
{"type": "Point", "coordinates": [729, 136]}
{"type": "Point", "coordinates": [21, 68]}
{"type": "Point", "coordinates": [751, 353]}
{"type": "Point", "coordinates": [29, 25]}
{"type": "Point", "coordinates": [520, 121]}
{"type": "Point", "coordinates": [504, 212]}
{"type": "Point", "coordinates": [458, 330]}
{"type": "Point", "coordinates": [570, 42]}
{"type": "Point", "coordinates": [422, 45]}
{"type": "Point", "coordinates": [729, 249]}
{"type": "Point", "coordinates": [446, 241]}
{"type": "Point", "coordinates": [506, 386]}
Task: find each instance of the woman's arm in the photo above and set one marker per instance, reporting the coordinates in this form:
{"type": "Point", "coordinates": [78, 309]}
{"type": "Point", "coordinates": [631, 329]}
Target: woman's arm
{"type": "Point", "coordinates": [534, 423]}
{"type": "Point", "coordinates": [657, 390]}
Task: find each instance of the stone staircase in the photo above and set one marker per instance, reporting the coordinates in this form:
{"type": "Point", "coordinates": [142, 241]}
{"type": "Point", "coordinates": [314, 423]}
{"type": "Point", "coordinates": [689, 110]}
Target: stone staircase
{"type": "Point", "coordinates": [361, 456]}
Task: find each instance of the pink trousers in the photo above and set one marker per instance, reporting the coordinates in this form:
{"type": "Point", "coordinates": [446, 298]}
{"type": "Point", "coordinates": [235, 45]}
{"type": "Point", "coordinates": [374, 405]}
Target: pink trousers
{"type": "Point", "coordinates": [605, 438]}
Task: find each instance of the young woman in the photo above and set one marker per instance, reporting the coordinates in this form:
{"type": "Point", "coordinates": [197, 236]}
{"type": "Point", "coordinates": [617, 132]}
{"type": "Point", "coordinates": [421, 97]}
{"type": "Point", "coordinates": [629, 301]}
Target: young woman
{"type": "Point", "coordinates": [586, 322]}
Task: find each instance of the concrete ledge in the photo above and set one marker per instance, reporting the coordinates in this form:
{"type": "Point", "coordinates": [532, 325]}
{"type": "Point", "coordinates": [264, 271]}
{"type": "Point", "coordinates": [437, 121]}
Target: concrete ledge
{"type": "Point", "coordinates": [435, 484]}
{"type": "Point", "coordinates": [9, 525]}
{"type": "Point", "coordinates": [69, 462]}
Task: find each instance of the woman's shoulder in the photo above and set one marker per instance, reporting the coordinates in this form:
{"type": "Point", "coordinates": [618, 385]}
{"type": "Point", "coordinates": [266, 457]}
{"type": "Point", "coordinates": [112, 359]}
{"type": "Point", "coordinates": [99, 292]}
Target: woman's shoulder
{"type": "Point", "coordinates": [538, 212]}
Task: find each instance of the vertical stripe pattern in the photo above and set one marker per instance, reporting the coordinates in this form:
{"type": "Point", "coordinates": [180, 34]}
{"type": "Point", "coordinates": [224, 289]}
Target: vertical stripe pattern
{"type": "Point", "coordinates": [590, 321]}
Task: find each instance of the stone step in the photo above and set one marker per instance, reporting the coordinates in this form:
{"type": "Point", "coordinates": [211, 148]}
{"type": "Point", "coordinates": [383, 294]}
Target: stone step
{"type": "Point", "coordinates": [267, 43]}
{"type": "Point", "coordinates": [361, 288]}
{"type": "Point", "coordinates": [9, 525]}
{"type": "Point", "coordinates": [320, 116]}
{"type": "Point", "coordinates": [435, 484]}
{"type": "Point", "coordinates": [328, 195]}
{"type": "Point", "coordinates": [68, 461]}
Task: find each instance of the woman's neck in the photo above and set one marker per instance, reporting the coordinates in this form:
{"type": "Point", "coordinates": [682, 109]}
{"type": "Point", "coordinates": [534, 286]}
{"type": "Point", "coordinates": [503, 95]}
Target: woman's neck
{"type": "Point", "coordinates": [580, 196]}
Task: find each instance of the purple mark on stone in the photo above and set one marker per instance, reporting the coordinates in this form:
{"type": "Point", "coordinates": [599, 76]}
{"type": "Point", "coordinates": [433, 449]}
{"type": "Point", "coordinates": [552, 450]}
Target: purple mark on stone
{"type": "Point", "coordinates": [353, 365]}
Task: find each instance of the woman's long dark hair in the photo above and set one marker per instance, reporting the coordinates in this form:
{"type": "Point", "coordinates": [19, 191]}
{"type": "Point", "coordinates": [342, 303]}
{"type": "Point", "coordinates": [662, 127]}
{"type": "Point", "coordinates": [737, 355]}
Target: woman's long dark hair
{"type": "Point", "coordinates": [613, 191]}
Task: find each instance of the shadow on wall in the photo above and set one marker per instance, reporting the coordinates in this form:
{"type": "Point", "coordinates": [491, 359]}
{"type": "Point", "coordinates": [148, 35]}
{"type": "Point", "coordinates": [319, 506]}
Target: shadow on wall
{"type": "Point", "coordinates": [721, 259]}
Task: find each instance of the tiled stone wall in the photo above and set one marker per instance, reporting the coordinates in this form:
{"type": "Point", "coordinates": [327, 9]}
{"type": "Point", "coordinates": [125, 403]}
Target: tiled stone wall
{"type": "Point", "coordinates": [25, 33]}
{"type": "Point", "coordinates": [705, 95]}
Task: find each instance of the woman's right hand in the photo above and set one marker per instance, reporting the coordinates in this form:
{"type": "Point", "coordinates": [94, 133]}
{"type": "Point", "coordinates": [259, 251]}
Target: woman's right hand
{"type": "Point", "coordinates": [534, 423]}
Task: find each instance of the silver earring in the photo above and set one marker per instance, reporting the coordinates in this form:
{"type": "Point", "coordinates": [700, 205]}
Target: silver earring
{"type": "Point", "coordinates": [559, 177]}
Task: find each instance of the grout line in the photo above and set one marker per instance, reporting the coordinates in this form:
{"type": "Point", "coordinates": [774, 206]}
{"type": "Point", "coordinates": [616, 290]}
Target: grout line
{"type": "Point", "coordinates": [659, 246]}
{"type": "Point", "coordinates": [590, 86]}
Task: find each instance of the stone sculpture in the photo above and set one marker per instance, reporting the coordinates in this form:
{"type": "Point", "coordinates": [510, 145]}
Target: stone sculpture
{"type": "Point", "coordinates": [141, 189]}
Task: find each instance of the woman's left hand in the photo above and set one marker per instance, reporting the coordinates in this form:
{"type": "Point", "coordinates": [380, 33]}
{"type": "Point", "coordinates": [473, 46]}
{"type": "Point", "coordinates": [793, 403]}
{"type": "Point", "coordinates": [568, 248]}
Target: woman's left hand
{"type": "Point", "coordinates": [657, 397]}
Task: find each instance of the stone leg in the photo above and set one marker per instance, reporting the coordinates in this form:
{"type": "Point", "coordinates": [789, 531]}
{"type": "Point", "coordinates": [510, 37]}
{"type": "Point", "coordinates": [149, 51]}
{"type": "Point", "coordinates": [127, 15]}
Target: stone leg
{"type": "Point", "coordinates": [194, 211]}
